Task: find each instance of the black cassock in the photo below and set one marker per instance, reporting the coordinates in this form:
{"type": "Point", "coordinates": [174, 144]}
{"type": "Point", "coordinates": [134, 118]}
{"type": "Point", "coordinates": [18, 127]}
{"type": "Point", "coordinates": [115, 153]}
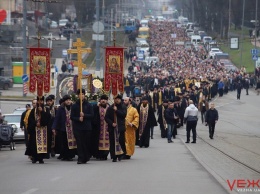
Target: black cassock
{"type": "Point", "coordinates": [32, 147]}
{"type": "Point", "coordinates": [144, 140]}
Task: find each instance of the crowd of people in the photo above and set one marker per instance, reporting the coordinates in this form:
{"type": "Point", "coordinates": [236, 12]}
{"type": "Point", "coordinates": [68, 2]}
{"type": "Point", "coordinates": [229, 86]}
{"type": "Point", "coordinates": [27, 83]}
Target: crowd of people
{"type": "Point", "coordinates": [85, 130]}
{"type": "Point", "coordinates": [183, 70]}
{"type": "Point", "coordinates": [67, 66]}
{"type": "Point", "coordinates": [95, 131]}
{"type": "Point", "coordinates": [172, 93]}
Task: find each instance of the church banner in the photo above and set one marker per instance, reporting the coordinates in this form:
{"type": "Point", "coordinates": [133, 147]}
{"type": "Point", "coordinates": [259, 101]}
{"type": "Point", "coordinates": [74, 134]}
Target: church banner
{"type": "Point", "coordinates": [39, 70]}
{"type": "Point", "coordinates": [114, 70]}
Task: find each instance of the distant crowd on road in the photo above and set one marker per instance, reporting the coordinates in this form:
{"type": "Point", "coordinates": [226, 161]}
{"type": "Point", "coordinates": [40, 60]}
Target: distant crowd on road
{"type": "Point", "coordinates": [182, 70]}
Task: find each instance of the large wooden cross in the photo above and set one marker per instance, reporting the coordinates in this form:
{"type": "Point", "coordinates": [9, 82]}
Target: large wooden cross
{"type": "Point", "coordinates": [79, 51]}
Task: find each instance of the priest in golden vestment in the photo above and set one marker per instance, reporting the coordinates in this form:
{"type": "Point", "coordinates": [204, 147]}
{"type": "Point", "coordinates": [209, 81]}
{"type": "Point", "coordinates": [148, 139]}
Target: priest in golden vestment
{"type": "Point", "coordinates": [187, 83]}
{"type": "Point", "coordinates": [131, 123]}
{"type": "Point", "coordinates": [160, 96]}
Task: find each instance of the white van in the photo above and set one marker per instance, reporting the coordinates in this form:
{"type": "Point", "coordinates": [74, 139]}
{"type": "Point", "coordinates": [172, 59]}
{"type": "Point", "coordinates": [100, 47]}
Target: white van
{"type": "Point", "coordinates": [206, 39]}
{"type": "Point", "coordinates": [195, 39]}
{"type": "Point", "coordinates": [144, 23]}
{"type": "Point", "coordinates": [189, 32]}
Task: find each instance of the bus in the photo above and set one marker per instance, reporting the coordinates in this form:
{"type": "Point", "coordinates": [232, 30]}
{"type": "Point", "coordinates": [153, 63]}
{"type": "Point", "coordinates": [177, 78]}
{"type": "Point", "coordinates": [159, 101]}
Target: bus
{"type": "Point", "coordinates": [130, 26]}
{"type": "Point", "coordinates": [143, 32]}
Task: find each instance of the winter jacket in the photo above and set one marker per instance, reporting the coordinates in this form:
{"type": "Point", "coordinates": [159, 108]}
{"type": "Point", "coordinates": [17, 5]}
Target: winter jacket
{"type": "Point", "coordinates": [211, 115]}
{"type": "Point", "coordinates": [191, 113]}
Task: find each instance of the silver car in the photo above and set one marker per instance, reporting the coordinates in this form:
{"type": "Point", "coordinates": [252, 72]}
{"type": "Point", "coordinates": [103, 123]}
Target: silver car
{"type": "Point", "coordinates": [14, 121]}
{"type": "Point", "coordinates": [19, 111]}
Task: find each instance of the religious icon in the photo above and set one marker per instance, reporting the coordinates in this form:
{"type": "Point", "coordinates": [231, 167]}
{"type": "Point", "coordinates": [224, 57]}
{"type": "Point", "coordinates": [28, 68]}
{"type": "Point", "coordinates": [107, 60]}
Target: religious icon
{"type": "Point", "coordinates": [39, 65]}
{"type": "Point", "coordinates": [114, 66]}
{"type": "Point", "coordinates": [66, 86]}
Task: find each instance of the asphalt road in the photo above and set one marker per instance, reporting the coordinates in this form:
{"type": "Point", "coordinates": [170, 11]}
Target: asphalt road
{"type": "Point", "coordinates": [177, 168]}
{"type": "Point", "coordinates": [162, 168]}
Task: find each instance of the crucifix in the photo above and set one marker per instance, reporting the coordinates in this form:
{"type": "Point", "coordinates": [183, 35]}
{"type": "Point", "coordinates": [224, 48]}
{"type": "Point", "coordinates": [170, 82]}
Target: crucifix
{"type": "Point", "coordinates": [79, 51]}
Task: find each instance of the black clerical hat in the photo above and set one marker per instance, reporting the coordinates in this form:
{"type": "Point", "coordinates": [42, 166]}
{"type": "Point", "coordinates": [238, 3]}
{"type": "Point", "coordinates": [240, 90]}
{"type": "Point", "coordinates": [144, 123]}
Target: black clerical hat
{"type": "Point", "coordinates": [104, 97]}
{"type": "Point", "coordinates": [48, 99]}
{"type": "Point", "coordinates": [118, 96]}
{"type": "Point", "coordinates": [52, 96]}
{"type": "Point", "coordinates": [66, 97]}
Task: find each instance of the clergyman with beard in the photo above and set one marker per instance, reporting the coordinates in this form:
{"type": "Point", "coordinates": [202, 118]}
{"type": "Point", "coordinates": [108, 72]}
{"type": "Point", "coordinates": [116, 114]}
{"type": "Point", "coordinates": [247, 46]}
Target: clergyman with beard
{"type": "Point", "coordinates": [146, 121]}
{"type": "Point", "coordinates": [100, 134]}
{"type": "Point", "coordinates": [115, 118]}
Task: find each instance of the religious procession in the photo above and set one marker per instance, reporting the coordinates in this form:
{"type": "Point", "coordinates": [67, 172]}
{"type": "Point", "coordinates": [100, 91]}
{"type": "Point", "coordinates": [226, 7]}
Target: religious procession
{"type": "Point", "coordinates": [171, 93]}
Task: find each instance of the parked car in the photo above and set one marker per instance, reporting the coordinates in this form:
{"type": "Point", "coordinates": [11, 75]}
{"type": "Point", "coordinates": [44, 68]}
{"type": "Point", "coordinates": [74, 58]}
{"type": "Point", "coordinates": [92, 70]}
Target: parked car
{"type": "Point", "coordinates": [229, 66]}
{"type": "Point", "coordinates": [6, 83]}
{"type": "Point", "coordinates": [160, 18]}
{"type": "Point", "coordinates": [53, 24]}
{"type": "Point", "coordinates": [63, 23]}
{"type": "Point", "coordinates": [14, 121]}
{"type": "Point", "coordinates": [219, 56]}
{"type": "Point", "coordinates": [213, 51]}
{"type": "Point", "coordinates": [19, 110]}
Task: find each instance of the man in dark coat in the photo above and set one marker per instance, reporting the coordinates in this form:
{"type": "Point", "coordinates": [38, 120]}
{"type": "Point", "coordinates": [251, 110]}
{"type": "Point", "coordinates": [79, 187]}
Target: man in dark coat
{"type": "Point", "coordinates": [239, 87]}
{"type": "Point", "coordinates": [183, 106]}
{"type": "Point", "coordinates": [170, 115]}
{"type": "Point", "coordinates": [22, 124]}
{"type": "Point", "coordinates": [81, 123]}
{"type": "Point", "coordinates": [115, 118]}
{"type": "Point", "coordinates": [62, 126]}
{"type": "Point", "coordinates": [38, 128]}
{"type": "Point", "coordinates": [211, 119]}
{"type": "Point", "coordinates": [161, 118]}
{"type": "Point", "coordinates": [246, 85]}
{"type": "Point", "coordinates": [146, 121]}
{"type": "Point", "coordinates": [52, 149]}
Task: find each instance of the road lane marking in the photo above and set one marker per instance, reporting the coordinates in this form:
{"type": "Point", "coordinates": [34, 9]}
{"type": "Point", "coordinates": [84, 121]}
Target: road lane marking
{"type": "Point", "coordinates": [56, 178]}
{"type": "Point", "coordinates": [30, 191]}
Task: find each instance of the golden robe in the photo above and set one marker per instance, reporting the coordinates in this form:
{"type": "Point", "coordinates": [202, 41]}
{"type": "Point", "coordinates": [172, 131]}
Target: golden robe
{"type": "Point", "coordinates": [132, 117]}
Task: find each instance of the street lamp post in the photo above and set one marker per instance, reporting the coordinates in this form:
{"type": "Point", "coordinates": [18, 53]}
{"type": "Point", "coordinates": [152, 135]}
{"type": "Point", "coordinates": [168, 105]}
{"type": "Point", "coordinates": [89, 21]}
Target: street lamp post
{"type": "Point", "coordinates": [256, 23]}
{"type": "Point", "coordinates": [229, 19]}
{"type": "Point", "coordinates": [24, 42]}
{"type": "Point", "coordinates": [97, 43]}
{"type": "Point", "coordinates": [242, 35]}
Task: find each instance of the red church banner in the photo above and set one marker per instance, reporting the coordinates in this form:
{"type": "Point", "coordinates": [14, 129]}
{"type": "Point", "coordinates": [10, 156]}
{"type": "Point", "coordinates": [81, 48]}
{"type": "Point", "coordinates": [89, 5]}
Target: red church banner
{"type": "Point", "coordinates": [114, 70]}
{"type": "Point", "coordinates": [39, 70]}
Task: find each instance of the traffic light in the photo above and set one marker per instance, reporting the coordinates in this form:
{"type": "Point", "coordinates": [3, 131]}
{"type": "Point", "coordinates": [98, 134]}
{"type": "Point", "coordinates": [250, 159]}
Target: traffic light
{"type": "Point", "coordinates": [150, 11]}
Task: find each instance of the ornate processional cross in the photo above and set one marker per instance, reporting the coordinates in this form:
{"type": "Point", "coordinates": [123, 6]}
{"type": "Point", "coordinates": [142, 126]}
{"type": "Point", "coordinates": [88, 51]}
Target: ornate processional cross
{"type": "Point", "coordinates": [79, 51]}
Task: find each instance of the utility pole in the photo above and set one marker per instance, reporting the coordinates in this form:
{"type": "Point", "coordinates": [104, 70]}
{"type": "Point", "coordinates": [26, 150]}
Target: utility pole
{"type": "Point", "coordinates": [256, 24]}
{"type": "Point", "coordinates": [116, 13]}
{"type": "Point", "coordinates": [97, 43]}
{"type": "Point", "coordinates": [229, 19]}
{"type": "Point", "coordinates": [111, 27]}
{"type": "Point", "coordinates": [103, 11]}
{"type": "Point", "coordinates": [193, 11]}
{"type": "Point", "coordinates": [24, 42]}
{"type": "Point", "coordinates": [242, 35]}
